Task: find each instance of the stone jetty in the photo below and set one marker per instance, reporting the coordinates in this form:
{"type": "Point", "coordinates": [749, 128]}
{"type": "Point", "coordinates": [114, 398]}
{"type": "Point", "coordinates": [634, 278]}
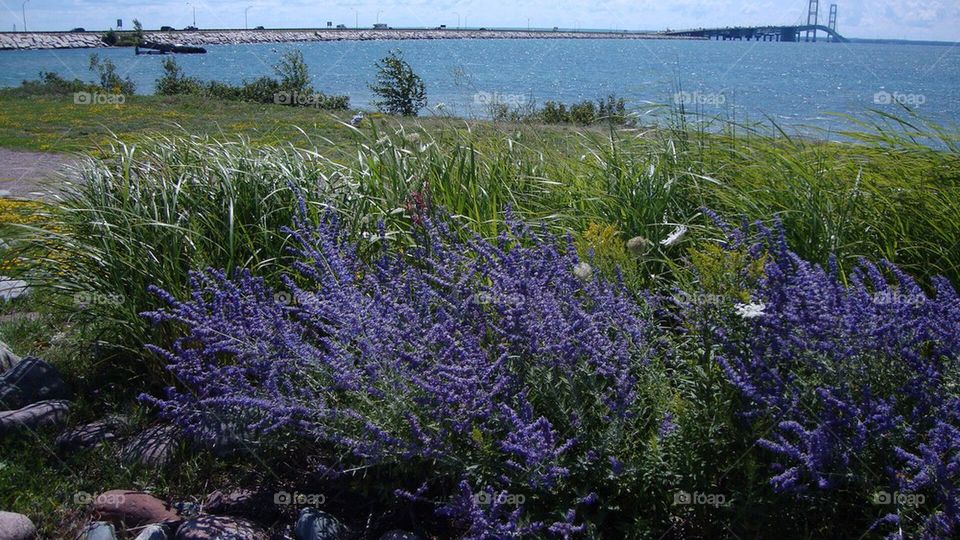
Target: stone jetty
{"type": "Point", "coordinates": [84, 40]}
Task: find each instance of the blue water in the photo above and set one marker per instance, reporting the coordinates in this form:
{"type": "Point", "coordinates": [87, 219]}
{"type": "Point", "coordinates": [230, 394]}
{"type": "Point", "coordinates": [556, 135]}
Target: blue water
{"type": "Point", "coordinates": [796, 84]}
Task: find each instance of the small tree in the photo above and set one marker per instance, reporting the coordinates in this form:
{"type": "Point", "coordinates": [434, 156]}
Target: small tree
{"type": "Point", "coordinates": [137, 33]}
{"type": "Point", "coordinates": [174, 82]}
{"type": "Point", "coordinates": [293, 72]}
{"type": "Point", "coordinates": [401, 90]}
{"type": "Point", "coordinates": [109, 78]}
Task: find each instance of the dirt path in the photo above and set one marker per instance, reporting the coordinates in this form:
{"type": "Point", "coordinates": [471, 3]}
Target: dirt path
{"type": "Point", "coordinates": [28, 174]}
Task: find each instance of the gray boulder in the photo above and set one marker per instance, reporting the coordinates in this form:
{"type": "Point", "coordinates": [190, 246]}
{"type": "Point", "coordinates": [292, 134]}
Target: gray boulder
{"type": "Point", "coordinates": [315, 524]}
{"type": "Point", "coordinates": [219, 528]}
{"type": "Point", "coordinates": [399, 535]}
{"type": "Point", "coordinates": [224, 438]}
{"type": "Point", "coordinates": [30, 381]}
{"type": "Point", "coordinates": [37, 415]}
{"type": "Point", "coordinates": [152, 532]}
{"type": "Point", "coordinates": [89, 435]}
{"type": "Point", "coordinates": [12, 288]}
{"type": "Point", "coordinates": [256, 505]}
{"type": "Point", "coordinates": [100, 530]}
{"type": "Point", "coordinates": [7, 358]}
{"type": "Point", "coordinates": [16, 527]}
{"type": "Point", "coordinates": [153, 447]}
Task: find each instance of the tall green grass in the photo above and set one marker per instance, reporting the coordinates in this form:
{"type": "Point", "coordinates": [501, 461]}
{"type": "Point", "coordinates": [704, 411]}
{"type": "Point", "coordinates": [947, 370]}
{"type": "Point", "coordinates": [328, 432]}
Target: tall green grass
{"type": "Point", "coordinates": [146, 215]}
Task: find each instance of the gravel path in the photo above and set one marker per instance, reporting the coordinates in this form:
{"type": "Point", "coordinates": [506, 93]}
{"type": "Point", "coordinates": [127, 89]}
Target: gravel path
{"type": "Point", "coordinates": [29, 174]}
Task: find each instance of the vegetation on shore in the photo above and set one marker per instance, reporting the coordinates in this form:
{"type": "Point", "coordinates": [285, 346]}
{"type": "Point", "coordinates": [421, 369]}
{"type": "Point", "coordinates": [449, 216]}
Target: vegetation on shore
{"type": "Point", "coordinates": [629, 249]}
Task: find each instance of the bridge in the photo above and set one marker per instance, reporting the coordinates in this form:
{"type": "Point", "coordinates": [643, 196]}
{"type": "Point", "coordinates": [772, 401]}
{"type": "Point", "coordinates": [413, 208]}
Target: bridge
{"type": "Point", "coordinates": [788, 33]}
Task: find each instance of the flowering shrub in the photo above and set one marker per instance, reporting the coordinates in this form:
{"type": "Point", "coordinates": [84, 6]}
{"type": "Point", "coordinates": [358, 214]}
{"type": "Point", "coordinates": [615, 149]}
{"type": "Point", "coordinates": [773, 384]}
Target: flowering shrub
{"type": "Point", "coordinates": [505, 364]}
{"type": "Point", "coordinates": [852, 386]}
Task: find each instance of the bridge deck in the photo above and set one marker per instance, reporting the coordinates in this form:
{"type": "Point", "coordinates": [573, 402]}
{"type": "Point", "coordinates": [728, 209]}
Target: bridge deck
{"type": "Point", "coordinates": [790, 33]}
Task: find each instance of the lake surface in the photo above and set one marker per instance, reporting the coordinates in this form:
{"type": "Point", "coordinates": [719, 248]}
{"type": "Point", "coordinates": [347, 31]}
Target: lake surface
{"type": "Point", "coordinates": [795, 84]}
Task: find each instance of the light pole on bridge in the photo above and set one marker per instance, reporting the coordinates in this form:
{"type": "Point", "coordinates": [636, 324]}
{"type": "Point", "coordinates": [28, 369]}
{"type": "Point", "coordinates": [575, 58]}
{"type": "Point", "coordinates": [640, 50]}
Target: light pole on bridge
{"type": "Point", "coordinates": [23, 10]}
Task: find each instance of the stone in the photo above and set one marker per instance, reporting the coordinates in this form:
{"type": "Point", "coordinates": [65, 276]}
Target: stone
{"type": "Point", "coordinates": [16, 527]}
{"type": "Point", "coordinates": [223, 438]}
{"type": "Point", "coordinates": [315, 524]}
{"type": "Point", "coordinates": [11, 289]}
{"type": "Point", "coordinates": [399, 535]}
{"type": "Point", "coordinates": [100, 530]}
{"type": "Point", "coordinates": [89, 435]}
{"type": "Point", "coordinates": [255, 505]}
{"type": "Point", "coordinates": [187, 509]}
{"type": "Point", "coordinates": [30, 381]}
{"type": "Point", "coordinates": [35, 416]}
{"type": "Point", "coordinates": [219, 528]}
{"type": "Point", "coordinates": [7, 358]}
{"type": "Point", "coordinates": [153, 447]}
{"type": "Point", "coordinates": [129, 508]}
{"type": "Point", "coordinates": [153, 532]}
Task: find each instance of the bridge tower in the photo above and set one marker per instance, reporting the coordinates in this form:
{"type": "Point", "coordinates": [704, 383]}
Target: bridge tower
{"type": "Point", "coordinates": [833, 19]}
{"type": "Point", "coordinates": [812, 15]}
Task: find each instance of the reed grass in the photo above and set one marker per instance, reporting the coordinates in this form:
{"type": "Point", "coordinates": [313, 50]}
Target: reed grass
{"type": "Point", "coordinates": [146, 215]}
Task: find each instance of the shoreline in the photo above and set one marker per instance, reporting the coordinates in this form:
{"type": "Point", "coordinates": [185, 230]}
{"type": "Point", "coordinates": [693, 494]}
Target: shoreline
{"type": "Point", "coordinates": [90, 40]}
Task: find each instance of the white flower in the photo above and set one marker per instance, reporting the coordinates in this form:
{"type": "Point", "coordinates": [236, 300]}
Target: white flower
{"type": "Point", "coordinates": [675, 237]}
{"type": "Point", "coordinates": [750, 311]}
{"type": "Point", "coordinates": [583, 271]}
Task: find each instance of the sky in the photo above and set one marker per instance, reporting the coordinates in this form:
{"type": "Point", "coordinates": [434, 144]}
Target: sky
{"type": "Point", "coordinates": [893, 19]}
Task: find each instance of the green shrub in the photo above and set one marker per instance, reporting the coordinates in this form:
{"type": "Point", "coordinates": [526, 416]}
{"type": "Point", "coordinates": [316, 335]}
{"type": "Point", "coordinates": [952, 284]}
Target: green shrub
{"type": "Point", "coordinates": [267, 90]}
{"type": "Point", "coordinates": [555, 113]}
{"type": "Point", "coordinates": [48, 84]}
{"type": "Point", "coordinates": [401, 91]}
{"type": "Point", "coordinates": [583, 113]}
{"type": "Point", "coordinates": [109, 78]}
{"type": "Point", "coordinates": [110, 38]}
{"type": "Point", "coordinates": [174, 82]}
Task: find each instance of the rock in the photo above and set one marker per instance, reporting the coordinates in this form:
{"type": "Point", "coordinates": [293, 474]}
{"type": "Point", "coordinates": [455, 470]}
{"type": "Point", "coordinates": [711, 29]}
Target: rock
{"type": "Point", "coordinates": [153, 532]}
{"type": "Point", "coordinates": [89, 435]}
{"type": "Point", "coordinates": [30, 381]}
{"type": "Point", "coordinates": [100, 530]}
{"type": "Point", "coordinates": [153, 447]}
{"type": "Point", "coordinates": [219, 528]}
{"type": "Point", "coordinates": [37, 415]}
{"type": "Point", "coordinates": [223, 438]}
{"type": "Point", "coordinates": [12, 288]}
{"type": "Point", "coordinates": [187, 509]}
{"type": "Point", "coordinates": [315, 524]}
{"type": "Point", "coordinates": [132, 508]}
{"type": "Point", "coordinates": [16, 527]}
{"type": "Point", "coordinates": [399, 535]}
{"type": "Point", "coordinates": [7, 358]}
{"type": "Point", "coordinates": [258, 506]}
